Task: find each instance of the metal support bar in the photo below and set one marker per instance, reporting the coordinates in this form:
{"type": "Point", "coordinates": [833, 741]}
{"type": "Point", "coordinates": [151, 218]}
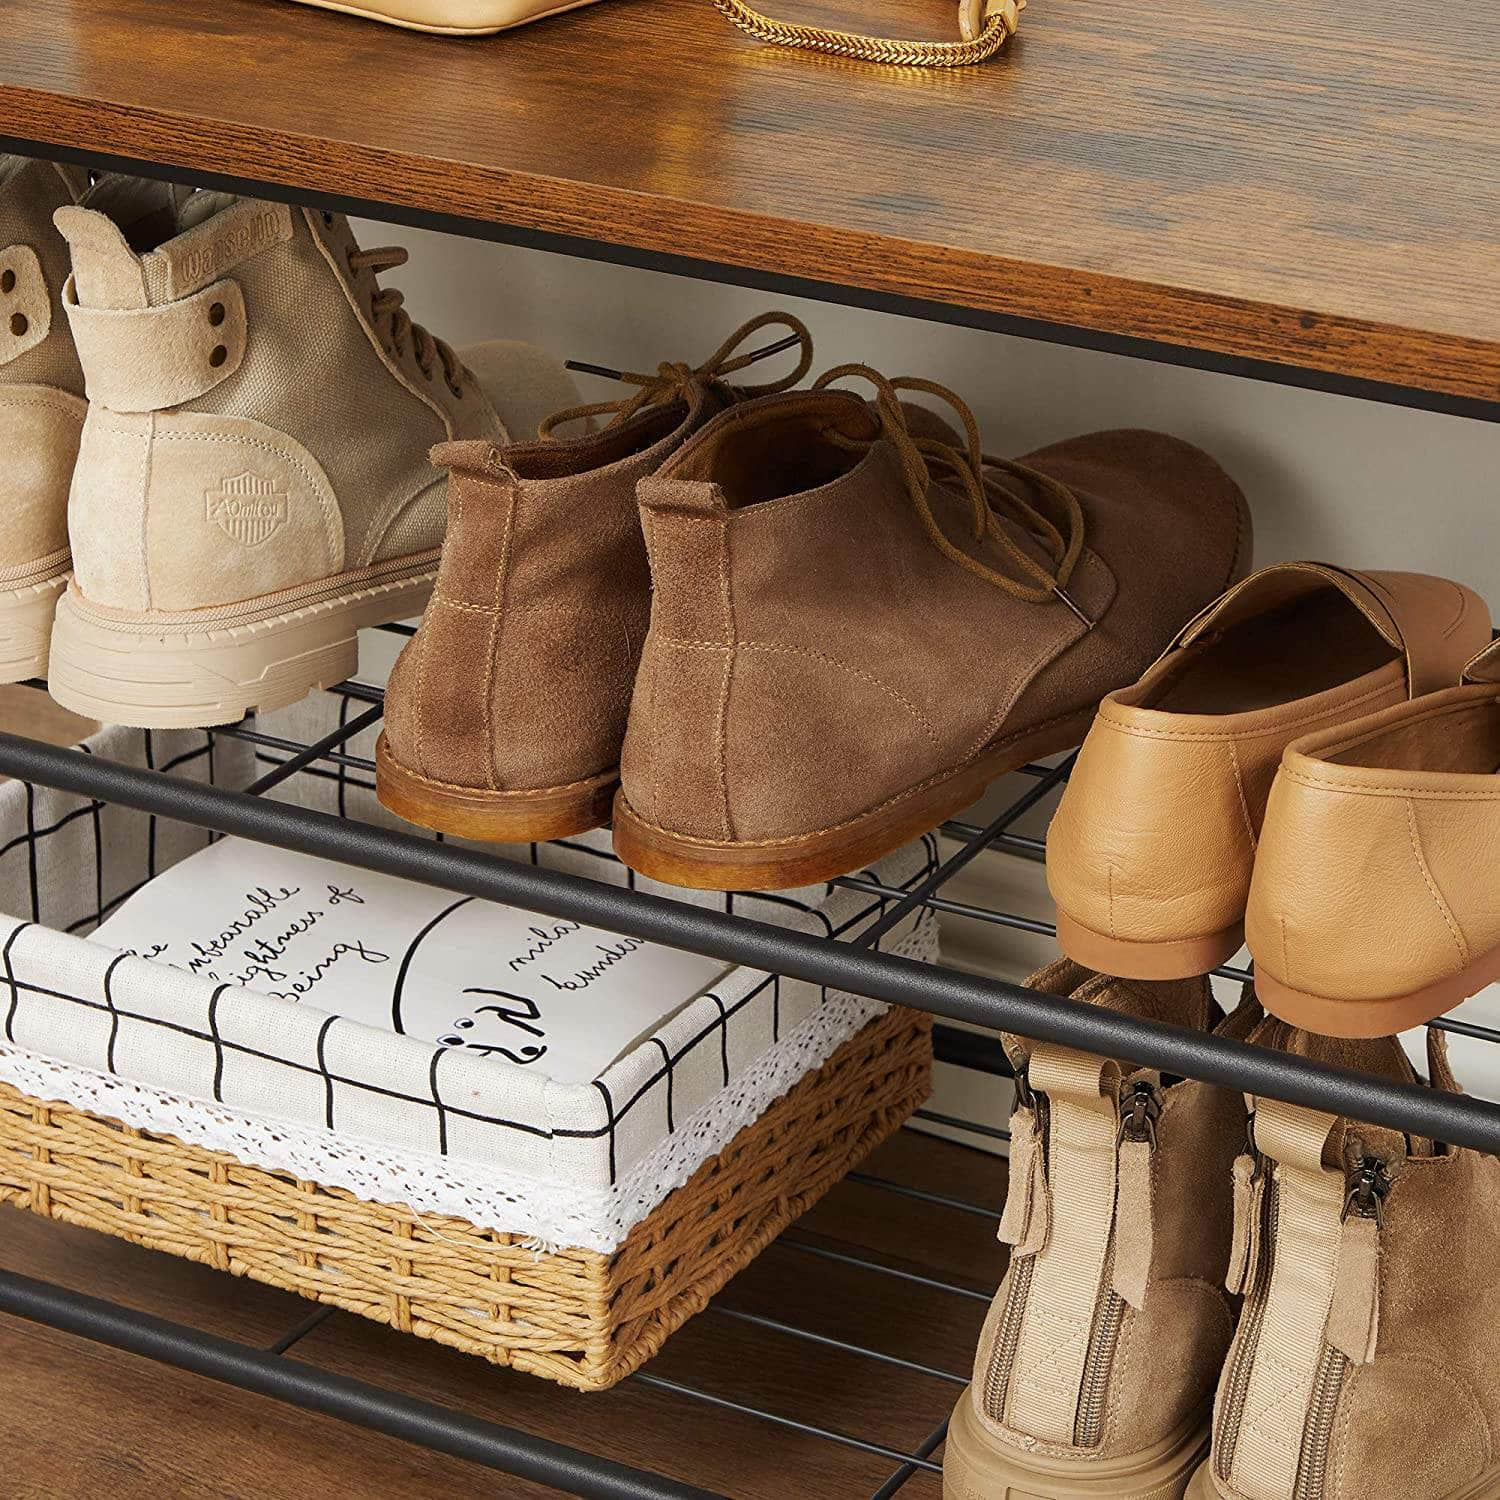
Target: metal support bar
{"type": "Point", "coordinates": [355, 1401]}
{"type": "Point", "coordinates": [990, 1003]}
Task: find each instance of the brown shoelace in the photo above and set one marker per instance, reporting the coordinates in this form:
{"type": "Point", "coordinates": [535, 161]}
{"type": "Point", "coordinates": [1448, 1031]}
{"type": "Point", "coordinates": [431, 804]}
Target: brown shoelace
{"type": "Point", "coordinates": [976, 472]}
{"type": "Point", "coordinates": [674, 379]}
{"type": "Point", "coordinates": [387, 303]}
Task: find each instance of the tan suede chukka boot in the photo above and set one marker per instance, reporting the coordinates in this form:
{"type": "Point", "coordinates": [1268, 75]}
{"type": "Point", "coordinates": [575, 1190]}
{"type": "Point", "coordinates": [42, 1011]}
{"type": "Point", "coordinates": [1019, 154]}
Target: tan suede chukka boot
{"type": "Point", "coordinates": [252, 485]}
{"type": "Point", "coordinates": [1150, 855]}
{"type": "Point", "coordinates": [505, 713]}
{"type": "Point", "coordinates": [41, 407]}
{"type": "Point", "coordinates": [1373, 904]}
{"type": "Point", "coordinates": [1364, 1364]}
{"type": "Point", "coordinates": [1096, 1368]}
{"type": "Point", "coordinates": [860, 620]}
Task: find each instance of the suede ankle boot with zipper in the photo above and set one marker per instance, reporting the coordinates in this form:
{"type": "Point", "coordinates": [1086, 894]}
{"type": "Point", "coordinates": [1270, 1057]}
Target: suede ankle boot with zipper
{"type": "Point", "coordinates": [1151, 853]}
{"type": "Point", "coordinates": [1364, 1364]}
{"type": "Point", "coordinates": [1096, 1368]}
{"type": "Point", "coordinates": [860, 620]}
{"type": "Point", "coordinates": [252, 483]}
{"type": "Point", "coordinates": [506, 711]}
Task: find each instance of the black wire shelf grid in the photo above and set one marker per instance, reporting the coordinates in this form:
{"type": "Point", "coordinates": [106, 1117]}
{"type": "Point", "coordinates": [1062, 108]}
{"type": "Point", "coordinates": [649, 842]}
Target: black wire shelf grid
{"type": "Point", "coordinates": [949, 994]}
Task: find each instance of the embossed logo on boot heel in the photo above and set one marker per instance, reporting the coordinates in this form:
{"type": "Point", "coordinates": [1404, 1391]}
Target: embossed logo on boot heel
{"type": "Point", "coordinates": [248, 508]}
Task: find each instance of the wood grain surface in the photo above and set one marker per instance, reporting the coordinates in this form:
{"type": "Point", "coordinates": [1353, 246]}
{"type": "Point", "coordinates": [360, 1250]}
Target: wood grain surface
{"type": "Point", "coordinates": [84, 1421]}
{"type": "Point", "coordinates": [1310, 182]}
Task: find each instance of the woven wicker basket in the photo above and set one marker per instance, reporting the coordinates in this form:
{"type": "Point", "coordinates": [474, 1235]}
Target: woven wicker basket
{"type": "Point", "coordinates": [579, 1317]}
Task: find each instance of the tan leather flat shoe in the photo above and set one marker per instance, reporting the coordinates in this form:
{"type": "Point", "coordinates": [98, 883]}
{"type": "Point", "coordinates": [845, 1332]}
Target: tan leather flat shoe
{"type": "Point", "coordinates": [1373, 905]}
{"type": "Point", "coordinates": [860, 620]}
{"type": "Point", "coordinates": [1150, 855]}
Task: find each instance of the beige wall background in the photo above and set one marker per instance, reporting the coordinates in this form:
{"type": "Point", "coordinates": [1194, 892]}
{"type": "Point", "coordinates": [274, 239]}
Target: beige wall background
{"type": "Point", "coordinates": [1355, 482]}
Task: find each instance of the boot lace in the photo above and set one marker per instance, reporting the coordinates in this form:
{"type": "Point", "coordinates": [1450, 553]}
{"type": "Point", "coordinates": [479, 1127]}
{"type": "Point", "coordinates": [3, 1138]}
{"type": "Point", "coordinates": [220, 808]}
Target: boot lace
{"type": "Point", "coordinates": [673, 379]}
{"type": "Point", "coordinates": [978, 473]}
{"type": "Point", "coordinates": [387, 302]}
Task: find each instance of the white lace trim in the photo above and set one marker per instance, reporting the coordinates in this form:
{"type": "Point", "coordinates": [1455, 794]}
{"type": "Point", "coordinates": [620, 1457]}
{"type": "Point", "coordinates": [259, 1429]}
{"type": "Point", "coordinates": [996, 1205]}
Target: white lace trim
{"type": "Point", "coordinates": [552, 1213]}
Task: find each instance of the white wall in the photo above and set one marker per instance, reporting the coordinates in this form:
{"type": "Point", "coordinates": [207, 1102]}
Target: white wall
{"type": "Point", "coordinates": [1352, 482]}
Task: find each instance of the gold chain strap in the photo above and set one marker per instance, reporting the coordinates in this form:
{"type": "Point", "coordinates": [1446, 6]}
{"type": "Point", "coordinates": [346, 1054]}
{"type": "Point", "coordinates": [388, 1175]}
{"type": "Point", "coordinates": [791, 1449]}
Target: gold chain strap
{"type": "Point", "coordinates": [985, 25]}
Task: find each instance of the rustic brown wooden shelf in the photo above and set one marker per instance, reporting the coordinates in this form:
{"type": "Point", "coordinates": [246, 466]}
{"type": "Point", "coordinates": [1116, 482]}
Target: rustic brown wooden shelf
{"type": "Point", "coordinates": [1302, 188]}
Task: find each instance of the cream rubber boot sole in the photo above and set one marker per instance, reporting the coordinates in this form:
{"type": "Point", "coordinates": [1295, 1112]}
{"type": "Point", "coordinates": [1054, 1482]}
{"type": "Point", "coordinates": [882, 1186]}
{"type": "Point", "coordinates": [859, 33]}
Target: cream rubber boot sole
{"type": "Point", "coordinates": [191, 671]}
{"type": "Point", "coordinates": [975, 1467]}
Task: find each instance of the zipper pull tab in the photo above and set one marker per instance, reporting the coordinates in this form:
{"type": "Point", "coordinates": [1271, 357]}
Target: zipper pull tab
{"type": "Point", "coordinates": [1354, 1316]}
{"type": "Point", "coordinates": [1249, 1214]}
{"type": "Point", "coordinates": [1026, 1221]}
{"type": "Point", "coordinates": [1140, 1109]}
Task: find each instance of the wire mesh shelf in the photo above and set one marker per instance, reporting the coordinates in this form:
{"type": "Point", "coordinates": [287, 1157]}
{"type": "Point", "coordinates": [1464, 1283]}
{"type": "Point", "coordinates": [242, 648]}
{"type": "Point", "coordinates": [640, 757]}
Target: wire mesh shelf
{"type": "Point", "coordinates": [948, 993]}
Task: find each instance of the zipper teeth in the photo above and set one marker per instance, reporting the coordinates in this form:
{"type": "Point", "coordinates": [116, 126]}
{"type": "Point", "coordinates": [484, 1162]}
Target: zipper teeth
{"type": "Point", "coordinates": [1101, 1357]}
{"type": "Point", "coordinates": [997, 1377]}
{"type": "Point", "coordinates": [1247, 1340]}
{"type": "Point", "coordinates": [1312, 1466]}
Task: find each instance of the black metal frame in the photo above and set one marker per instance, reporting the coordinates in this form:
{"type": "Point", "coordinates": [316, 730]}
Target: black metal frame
{"type": "Point", "coordinates": [989, 1003]}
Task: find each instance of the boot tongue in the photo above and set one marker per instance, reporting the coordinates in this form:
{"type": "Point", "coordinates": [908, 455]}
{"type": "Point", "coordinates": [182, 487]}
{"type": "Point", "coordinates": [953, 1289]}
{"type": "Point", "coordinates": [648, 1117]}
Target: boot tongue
{"type": "Point", "coordinates": [144, 211]}
{"type": "Point", "coordinates": [1381, 1056]}
{"type": "Point", "coordinates": [203, 206]}
{"type": "Point", "coordinates": [1177, 1002]}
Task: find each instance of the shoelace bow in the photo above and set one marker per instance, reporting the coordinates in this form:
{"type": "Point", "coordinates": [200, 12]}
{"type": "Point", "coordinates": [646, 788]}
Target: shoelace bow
{"type": "Point", "coordinates": [974, 469]}
{"type": "Point", "coordinates": [387, 302]}
{"type": "Point", "coordinates": [676, 378]}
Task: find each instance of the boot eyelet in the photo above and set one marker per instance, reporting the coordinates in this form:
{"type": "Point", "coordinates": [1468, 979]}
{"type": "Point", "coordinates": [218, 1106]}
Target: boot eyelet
{"type": "Point", "coordinates": [216, 314]}
{"type": "Point", "coordinates": [218, 356]}
{"type": "Point", "coordinates": [458, 391]}
{"type": "Point", "coordinates": [7, 281]}
{"type": "Point", "coordinates": [327, 219]}
{"type": "Point", "coordinates": [19, 324]}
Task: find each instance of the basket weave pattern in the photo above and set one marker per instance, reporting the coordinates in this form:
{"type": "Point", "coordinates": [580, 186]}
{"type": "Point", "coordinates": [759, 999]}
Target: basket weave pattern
{"type": "Point", "coordinates": [580, 1317]}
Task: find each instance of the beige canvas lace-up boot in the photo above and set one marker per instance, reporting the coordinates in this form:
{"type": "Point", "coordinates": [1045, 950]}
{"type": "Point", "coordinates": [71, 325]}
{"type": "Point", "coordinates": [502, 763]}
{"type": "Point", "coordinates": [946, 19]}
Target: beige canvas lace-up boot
{"type": "Point", "coordinates": [1150, 855]}
{"type": "Point", "coordinates": [1364, 1364]}
{"type": "Point", "coordinates": [1096, 1368]}
{"type": "Point", "coordinates": [505, 713]}
{"type": "Point", "coordinates": [41, 407]}
{"type": "Point", "coordinates": [252, 485]}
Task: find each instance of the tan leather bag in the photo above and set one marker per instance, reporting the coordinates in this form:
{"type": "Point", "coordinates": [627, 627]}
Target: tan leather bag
{"type": "Point", "coordinates": [984, 26]}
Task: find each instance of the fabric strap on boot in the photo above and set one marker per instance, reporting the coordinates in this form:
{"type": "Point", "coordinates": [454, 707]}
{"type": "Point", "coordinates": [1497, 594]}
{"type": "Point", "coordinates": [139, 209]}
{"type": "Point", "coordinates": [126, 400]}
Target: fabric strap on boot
{"type": "Point", "coordinates": [1081, 1168]}
{"type": "Point", "coordinates": [1324, 1290]}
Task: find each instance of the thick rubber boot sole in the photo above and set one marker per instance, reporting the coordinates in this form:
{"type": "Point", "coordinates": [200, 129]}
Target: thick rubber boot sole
{"type": "Point", "coordinates": [780, 864]}
{"type": "Point", "coordinates": [976, 1467]}
{"type": "Point", "coordinates": [192, 670]}
{"type": "Point", "coordinates": [496, 817]}
{"type": "Point", "coordinates": [26, 628]}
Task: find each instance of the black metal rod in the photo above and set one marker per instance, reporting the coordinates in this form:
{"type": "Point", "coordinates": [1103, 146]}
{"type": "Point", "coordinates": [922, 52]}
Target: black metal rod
{"type": "Point", "coordinates": [316, 751]}
{"type": "Point", "coordinates": [354, 1401]}
{"type": "Point", "coordinates": [956, 861]}
{"type": "Point", "coordinates": [922, 1195]}
{"type": "Point", "coordinates": [827, 1341]}
{"type": "Point", "coordinates": [811, 1429]}
{"type": "Point", "coordinates": [990, 1003]}
{"type": "Point", "coordinates": [925, 1449]}
{"type": "Point", "coordinates": [973, 1127]}
{"type": "Point", "coordinates": [843, 1258]}
{"type": "Point", "coordinates": [977, 1050]}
